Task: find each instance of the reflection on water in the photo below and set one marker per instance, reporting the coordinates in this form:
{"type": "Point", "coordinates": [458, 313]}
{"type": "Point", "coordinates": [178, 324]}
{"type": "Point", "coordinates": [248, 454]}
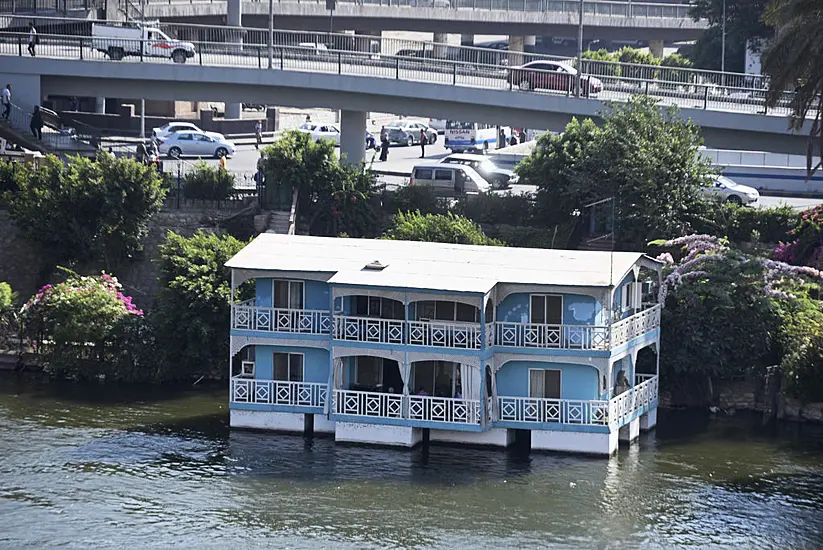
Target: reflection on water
{"type": "Point", "coordinates": [98, 466]}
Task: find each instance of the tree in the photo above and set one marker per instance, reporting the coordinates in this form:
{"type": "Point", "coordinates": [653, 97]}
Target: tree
{"type": "Point", "coordinates": [437, 228]}
{"type": "Point", "coordinates": [191, 319]}
{"type": "Point", "coordinates": [743, 23]}
{"type": "Point", "coordinates": [794, 62]}
{"type": "Point", "coordinates": [84, 209]}
{"type": "Point", "coordinates": [643, 156]}
{"type": "Point", "coordinates": [208, 182]}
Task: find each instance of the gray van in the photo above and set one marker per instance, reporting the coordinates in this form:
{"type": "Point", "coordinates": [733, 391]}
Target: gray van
{"type": "Point", "coordinates": [449, 179]}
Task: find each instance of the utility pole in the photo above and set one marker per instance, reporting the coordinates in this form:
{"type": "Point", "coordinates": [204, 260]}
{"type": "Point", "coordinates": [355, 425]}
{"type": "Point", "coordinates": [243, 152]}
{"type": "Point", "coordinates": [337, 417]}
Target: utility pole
{"type": "Point", "coordinates": [579, 49]}
{"type": "Point", "coordinates": [142, 46]}
{"type": "Point", "coordinates": [723, 47]}
{"type": "Point", "coordinates": [271, 33]}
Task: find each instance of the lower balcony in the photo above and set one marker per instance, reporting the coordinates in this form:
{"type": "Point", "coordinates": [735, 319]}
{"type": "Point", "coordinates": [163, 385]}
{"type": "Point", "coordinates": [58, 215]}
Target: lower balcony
{"type": "Point", "coordinates": [613, 413]}
{"type": "Point", "coordinates": [416, 409]}
{"type": "Point", "coordinates": [300, 395]}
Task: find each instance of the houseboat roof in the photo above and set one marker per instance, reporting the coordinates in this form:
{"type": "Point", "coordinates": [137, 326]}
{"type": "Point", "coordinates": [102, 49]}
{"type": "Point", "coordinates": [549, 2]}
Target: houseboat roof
{"type": "Point", "coordinates": [434, 266]}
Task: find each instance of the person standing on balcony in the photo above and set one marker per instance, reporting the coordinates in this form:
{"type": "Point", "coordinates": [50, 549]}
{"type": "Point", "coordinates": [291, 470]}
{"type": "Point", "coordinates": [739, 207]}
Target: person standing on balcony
{"type": "Point", "coordinates": [36, 124]}
{"type": "Point", "coordinates": [33, 39]}
{"type": "Point", "coordinates": [7, 101]}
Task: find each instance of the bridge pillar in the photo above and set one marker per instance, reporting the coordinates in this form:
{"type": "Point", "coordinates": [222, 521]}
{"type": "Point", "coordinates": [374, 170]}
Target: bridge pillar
{"type": "Point", "coordinates": [529, 43]}
{"type": "Point", "coordinates": [100, 106]}
{"type": "Point", "coordinates": [656, 48]}
{"type": "Point", "coordinates": [516, 48]}
{"type": "Point", "coordinates": [234, 18]}
{"type": "Point", "coordinates": [441, 40]}
{"type": "Point", "coordinates": [352, 136]}
{"type": "Point", "coordinates": [467, 39]}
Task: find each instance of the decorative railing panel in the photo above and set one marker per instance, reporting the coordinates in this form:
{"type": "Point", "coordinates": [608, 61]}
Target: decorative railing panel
{"type": "Point", "coordinates": [623, 407]}
{"type": "Point", "coordinates": [369, 329]}
{"type": "Point", "coordinates": [268, 319]}
{"type": "Point", "coordinates": [533, 335]}
{"type": "Point", "coordinates": [362, 403]}
{"type": "Point", "coordinates": [637, 325]}
{"type": "Point", "coordinates": [561, 411]}
{"type": "Point", "coordinates": [444, 409]}
{"type": "Point", "coordinates": [444, 334]}
{"type": "Point", "coordinates": [278, 392]}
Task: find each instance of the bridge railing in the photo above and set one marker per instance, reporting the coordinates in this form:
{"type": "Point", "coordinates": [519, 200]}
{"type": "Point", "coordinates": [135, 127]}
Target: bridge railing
{"type": "Point", "coordinates": [694, 91]}
{"type": "Point", "coordinates": [591, 7]}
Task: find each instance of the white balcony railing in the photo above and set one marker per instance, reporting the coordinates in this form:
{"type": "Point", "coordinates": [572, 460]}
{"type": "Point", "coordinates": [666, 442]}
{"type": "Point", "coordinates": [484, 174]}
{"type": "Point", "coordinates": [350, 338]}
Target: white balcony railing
{"type": "Point", "coordinates": [444, 409]}
{"type": "Point", "coordinates": [278, 392]}
{"type": "Point", "coordinates": [615, 412]}
{"type": "Point", "coordinates": [247, 316]}
{"type": "Point", "coordinates": [369, 329]}
{"type": "Point", "coordinates": [637, 325]}
{"type": "Point", "coordinates": [562, 411]}
{"type": "Point", "coordinates": [364, 403]}
{"type": "Point", "coordinates": [533, 335]}
{"type": "Point", "coordinates": [444, 334]}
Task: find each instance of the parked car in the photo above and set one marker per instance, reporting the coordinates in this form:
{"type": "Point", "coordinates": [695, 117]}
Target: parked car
{"type": "Point", "coordinates": [173, 127]}
{"type": "Point", "coordinates": [196, 144]}
{"type": "Point", "coordinates": [499, 178]}
{"type": "Point", "coordinates": [550, 75]}
{"type": "Point", "coordinates": [449, 179]}
{"type": "Point", "coordinates": [408, 132]}
{"type": "Point", "coordinates": [725, 189]}
{"type": "Point", "coordinates": [321, 131]}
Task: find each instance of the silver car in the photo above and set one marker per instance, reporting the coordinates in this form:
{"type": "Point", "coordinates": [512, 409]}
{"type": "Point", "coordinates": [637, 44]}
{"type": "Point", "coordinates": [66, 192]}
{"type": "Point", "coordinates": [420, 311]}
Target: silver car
{"type": "Point", "coordinates": [196, 144]}
{"type": "Point", "coordinates": [727, 190]}
{"type": "Point", "coordinates": [407, 132]}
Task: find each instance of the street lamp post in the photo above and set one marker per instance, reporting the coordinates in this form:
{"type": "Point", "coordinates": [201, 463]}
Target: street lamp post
{"type": "Point", "coordinates": [723, 47]}
{"type": "Point", "coordinates": [271, 33]}
{"type": "Point", "coordinates": [579, 49]}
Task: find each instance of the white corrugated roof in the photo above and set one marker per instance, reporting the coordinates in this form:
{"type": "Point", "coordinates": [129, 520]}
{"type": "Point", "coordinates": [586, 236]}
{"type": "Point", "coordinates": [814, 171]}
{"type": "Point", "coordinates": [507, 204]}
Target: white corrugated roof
{"type": "Point", "coordinates": [434, 266]}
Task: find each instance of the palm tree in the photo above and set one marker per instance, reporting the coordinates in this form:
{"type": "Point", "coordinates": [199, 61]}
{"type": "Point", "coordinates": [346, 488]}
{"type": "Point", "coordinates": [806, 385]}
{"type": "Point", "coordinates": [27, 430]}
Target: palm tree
{"type": "Point", "coordinates": [794, 61]}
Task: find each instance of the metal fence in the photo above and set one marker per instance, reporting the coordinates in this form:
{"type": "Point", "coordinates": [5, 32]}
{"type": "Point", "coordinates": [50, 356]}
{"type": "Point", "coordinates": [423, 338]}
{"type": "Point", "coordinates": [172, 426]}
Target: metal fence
{"type": "Point", "coordinates": [417, 61]}
{"type": "Point", "coordinates": [601, 8]}
{"type": "Point", "coordinates": [46, 6]}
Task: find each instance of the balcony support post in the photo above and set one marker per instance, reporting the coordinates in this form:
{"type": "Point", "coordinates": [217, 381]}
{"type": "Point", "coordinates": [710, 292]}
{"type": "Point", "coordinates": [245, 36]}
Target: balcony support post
{"type": "Point", "coordinates": [327, 407]}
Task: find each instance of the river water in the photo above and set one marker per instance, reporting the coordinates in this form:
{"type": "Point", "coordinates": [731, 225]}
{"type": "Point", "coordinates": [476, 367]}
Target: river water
{"type": "Point", "coordinates": [99, 467]}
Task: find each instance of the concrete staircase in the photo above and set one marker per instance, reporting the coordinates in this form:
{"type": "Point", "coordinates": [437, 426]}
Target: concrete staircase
{"type": "Point", "coordinates": [602, 243]}
{"type": "Point", "coordinates": [272, 221]}
{"type": "Point", "coordinates": [55, 140]}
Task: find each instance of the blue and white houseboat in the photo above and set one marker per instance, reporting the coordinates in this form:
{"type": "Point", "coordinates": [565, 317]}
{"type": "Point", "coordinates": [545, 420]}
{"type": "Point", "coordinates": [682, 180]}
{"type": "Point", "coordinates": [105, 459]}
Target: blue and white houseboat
{"type": "Point", "coordinates": [390, 342]}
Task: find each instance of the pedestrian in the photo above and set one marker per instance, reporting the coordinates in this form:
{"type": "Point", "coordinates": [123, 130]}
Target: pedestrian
{"type": "Point", "coordinates": [7, 101]}
{"type": "Point", "coordinates": [33, 38]}
{"type": "Point", "coordinates": [142, 153]}
{"type": "Point", "coordinates": [36, 124]}
{"type": "Point", "coordinates": [513, 140]}
{"type": "Point", "coordinates": [423, 141]}
{"type": "Point", "coordinates": [501, 139]}
{"type": "Point", "coordinates": [384, 144]}
{"type": "Point", "coordinates": [308, 119]}
{"type": "Point", "coordinates": [223, 162]}
{"type": "Point", "coordinates": [258, 133]}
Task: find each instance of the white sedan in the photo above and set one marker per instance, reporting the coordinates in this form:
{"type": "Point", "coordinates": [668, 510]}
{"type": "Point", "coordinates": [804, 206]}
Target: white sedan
{"type": "Point", "coordinates": [321, 131]}
{"type": "Point", "coordinates": [725, 189]}
{"type": "Point", "coordinates": [173, 127]}
{"type": "Point", "coordinates": [195, 144]}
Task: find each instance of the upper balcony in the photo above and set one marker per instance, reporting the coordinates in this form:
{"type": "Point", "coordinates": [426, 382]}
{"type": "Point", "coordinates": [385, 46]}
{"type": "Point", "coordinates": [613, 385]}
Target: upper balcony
{"type": "Point", "coordinates": [442, 334]}
{"type": "Point", "coordinates": [247, 316]}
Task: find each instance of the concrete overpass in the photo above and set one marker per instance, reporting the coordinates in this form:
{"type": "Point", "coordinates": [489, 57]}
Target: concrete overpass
{"type": "Point", "coordinates": [607, 20]}
{"type": "Point", "coordinates": [357, 83]}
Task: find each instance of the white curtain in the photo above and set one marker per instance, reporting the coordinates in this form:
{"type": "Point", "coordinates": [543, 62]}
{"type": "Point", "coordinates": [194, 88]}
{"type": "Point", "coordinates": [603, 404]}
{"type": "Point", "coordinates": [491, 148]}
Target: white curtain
{"type": "Point", "coordinates": [494, 411]}
{"type": "Point", "coordinates": [337, 383]}
{"type": "Point", "coordinates": [405, 372]}
{"type": "Point", "coordinates": [470, 382]}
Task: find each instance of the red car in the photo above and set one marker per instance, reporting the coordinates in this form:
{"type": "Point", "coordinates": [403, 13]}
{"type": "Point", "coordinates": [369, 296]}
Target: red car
{"type": "Point", "coordinates": [549, 75]}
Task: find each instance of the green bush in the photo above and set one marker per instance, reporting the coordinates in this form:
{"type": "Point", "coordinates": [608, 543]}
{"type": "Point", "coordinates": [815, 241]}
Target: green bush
{"type": "Point", "coordinates": [634, 56]}
{"type": "Point", "coordinates": [6, 296]}
{"type": "Point", "coordinates": [801, 336]}
{"type": "Point", "coordinates": [600, 63]}
{"type": "Point", "coordinates": [528, 237]}
{"type": "Point", "coordinates": [437, 228]}
{"type": "Point", "coordinates": [491, 208]}
{"type": "Point", "coordinates": [413, 198]}
{"type": "Point", "coordinates": [208, 182]}
{"type": "Point", "coordinates": [741, 224]}
{"type": "Point", "coordinates": [676, 61]}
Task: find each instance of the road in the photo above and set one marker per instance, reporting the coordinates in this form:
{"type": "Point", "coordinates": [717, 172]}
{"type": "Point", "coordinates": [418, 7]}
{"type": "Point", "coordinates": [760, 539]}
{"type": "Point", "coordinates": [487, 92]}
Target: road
{"type": "Point", "coordinates": [377, 66]}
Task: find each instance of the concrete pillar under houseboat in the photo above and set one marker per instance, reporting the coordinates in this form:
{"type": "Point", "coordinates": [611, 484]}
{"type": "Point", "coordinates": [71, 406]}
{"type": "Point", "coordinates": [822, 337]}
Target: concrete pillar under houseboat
{"type": "Point", "coordinates": [656, 48]}
{"type": "Point", "coordinates": [594, 443]}
{"type": "Point", "coordinates": [441, 40]}
{"type": "Point", "coordinates": [353, 136]}
{"type": "Point", "coordinates": [234, 18]}
{"type": "Point", "coordinates": [377, 434]}
{"type": "Point", "coordinates": [630, 431]}
{"type": "Point", "coordinates": [280, 421]}
{"type": "Point", "coordinates": [649, 420]}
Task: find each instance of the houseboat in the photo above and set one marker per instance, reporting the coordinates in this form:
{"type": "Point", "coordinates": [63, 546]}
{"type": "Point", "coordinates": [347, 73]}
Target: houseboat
{"type": "Point", "coordinates": [393, 342]}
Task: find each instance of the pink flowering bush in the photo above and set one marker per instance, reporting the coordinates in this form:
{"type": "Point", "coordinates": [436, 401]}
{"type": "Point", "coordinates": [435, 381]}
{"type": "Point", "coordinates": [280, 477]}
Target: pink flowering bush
{"type": "Point", "coordinates": [71, 323]}
{"type": "Point", "coordinates": [805, 241]}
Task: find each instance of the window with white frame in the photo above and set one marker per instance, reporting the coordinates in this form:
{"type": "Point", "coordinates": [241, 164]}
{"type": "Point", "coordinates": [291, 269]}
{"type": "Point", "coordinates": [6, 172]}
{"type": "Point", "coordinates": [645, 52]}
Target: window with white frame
{"type": "Point", "coordinates": [544, 383]}
{"type": "Point", "coordinates": [631, 296]}
{"type": "Point", "coordinates": [288, 294]}
{"type": "Point", "coordinates": [288, 367]}
{"type": "Point", "coordinates": [245, 368]}
{"type": "Point", "coordinates": [546, 309]}
{"type": "Point", "coordinates": [441, 310]}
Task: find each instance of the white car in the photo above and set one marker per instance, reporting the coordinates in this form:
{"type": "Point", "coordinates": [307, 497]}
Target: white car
{"type": "Point", "coordinates": [173, 127]}
{"type": "Point", "coordinates": [195, 144]}
{"type": "Point", "coordinates": [407, 132]}
{"type": "Point", "coordinates": [321, 131]}
{"type": "Point", "coordinates": [725, 189]}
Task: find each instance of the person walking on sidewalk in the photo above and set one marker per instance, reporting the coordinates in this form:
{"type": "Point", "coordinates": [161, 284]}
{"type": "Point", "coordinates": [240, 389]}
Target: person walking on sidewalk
{"type": "Point", "coordinates": [384, 144]}
{"type": "Point", "coordinates": [7, 101]}
{"type": "Point", "coordinates": [33, 39]}
{"type": "Point", "coordinates": [258, 133]}
{"type": "Point", "coordinates": [36, 124]}
{"type": "Point", "coordinates": [423, 141]}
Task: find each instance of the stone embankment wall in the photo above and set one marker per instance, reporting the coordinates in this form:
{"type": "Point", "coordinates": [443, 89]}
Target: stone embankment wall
{"type": "Point", "coordinates": [22, 263]}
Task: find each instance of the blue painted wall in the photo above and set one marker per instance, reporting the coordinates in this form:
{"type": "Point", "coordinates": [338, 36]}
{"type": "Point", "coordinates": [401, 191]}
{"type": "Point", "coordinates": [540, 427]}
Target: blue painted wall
{"type": "Point", "coordinates": [316, 294]}
{"type": "Point", "coordinates": [577, 309]}
{"type": "Point", "coordinates": [315, 362]}
{"type": "Point", "coordinates": [576, 381]}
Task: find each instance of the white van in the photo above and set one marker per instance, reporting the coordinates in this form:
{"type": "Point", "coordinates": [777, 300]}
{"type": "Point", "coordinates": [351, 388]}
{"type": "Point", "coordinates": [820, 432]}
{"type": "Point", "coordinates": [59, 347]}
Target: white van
{"type": "Point", "coordinates": [449, 179]}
